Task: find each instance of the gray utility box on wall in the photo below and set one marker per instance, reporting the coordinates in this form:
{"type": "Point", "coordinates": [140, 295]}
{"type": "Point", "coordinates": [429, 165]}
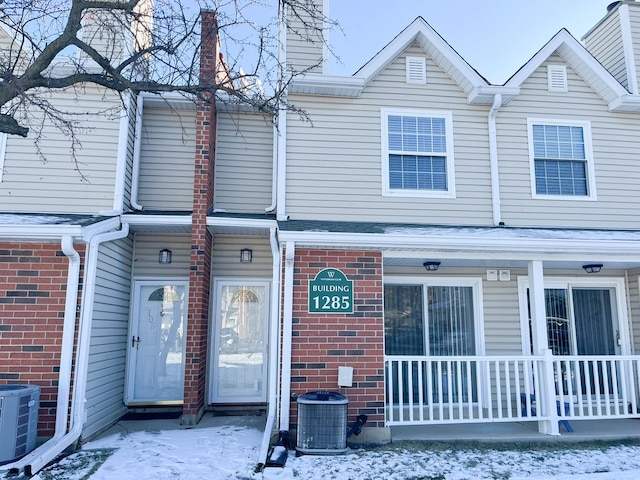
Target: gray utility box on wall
{"type": "Point", "coordinates": [18, 420]}
{"type": "Point", "coordinates": [322, 423]}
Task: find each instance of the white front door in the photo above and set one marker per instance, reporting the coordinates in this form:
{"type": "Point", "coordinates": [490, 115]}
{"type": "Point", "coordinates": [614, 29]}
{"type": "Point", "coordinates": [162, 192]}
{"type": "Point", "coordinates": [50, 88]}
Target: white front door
{"type": "Point", "coordinates": [156, 343]}
{"type": "Point", "coordinates": [240, 328]}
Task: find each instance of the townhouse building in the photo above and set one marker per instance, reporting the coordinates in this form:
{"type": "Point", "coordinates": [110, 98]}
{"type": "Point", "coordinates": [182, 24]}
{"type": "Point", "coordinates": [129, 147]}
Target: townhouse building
{"type": "Point", "coordinates": [465, 252]}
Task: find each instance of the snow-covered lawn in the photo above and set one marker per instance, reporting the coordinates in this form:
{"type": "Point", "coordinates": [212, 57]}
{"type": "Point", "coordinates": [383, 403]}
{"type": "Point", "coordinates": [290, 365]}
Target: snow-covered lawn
{"type": "Point", "coordinates": [231, 452]}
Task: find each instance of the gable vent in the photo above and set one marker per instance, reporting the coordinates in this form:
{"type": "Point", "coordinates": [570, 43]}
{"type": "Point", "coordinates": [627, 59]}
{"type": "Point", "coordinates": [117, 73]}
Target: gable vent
{"type": "Point", "coordinates": [557, 76]}
{"type": "Point", "coordinates": [416, 70]}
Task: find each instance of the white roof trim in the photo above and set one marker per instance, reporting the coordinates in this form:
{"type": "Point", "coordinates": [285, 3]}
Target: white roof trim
{"type": "Point", "coordinates": [156, 220]}
{"type": "Point", "coordinates": [417, 31]}
{"type": "Point", "coordinates": [576, 56]}
{"type": "Point", "coordinates": [421, 32]}
{"type": "Point", "coordinates": [465, 243]}
{"type": "Point", "coordinates": [241, 222]}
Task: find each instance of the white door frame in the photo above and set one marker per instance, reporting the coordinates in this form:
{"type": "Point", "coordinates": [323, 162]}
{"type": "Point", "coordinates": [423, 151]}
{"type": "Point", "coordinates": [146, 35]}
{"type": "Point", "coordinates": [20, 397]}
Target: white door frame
{"type": "Point", "coordinates": [617, 284]}
{"type": "Point", "coordinates": [214, 338]}
{"type": "Point", "coordinates": [134, 311]}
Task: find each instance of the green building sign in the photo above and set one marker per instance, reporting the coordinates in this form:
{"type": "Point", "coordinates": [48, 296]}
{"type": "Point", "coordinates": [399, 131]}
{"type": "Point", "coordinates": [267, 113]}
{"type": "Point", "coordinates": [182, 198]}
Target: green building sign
{"type": "Point", "coordinates": [330, 292]}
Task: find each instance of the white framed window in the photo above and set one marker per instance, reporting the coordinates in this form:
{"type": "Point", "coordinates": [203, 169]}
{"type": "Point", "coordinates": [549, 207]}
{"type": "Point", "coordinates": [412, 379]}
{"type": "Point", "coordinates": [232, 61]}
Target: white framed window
{"type": "Point", "coordinates": [557, 78]}
{"type": "Point", "coordinates": [416, 70]}
{"type": "Point", "coordinates": [417, 153]}
{"type": "Point", "coordinates": [561, 159]}
{"type": "Point", "coordinates": [433, 316]}
{"type": "Point", "coordinates": [3, 148]}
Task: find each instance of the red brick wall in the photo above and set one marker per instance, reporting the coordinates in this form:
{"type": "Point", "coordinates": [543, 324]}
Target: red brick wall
{"type": "Point", "coordinates": [33, 280]}
{"type": "Point", "coordinates": [323, 342]}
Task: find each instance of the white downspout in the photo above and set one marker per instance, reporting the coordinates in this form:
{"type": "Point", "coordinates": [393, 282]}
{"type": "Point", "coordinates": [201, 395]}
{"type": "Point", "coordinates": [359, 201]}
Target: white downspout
{"type": "Point", "coordinates": [42, 455]}
{"type": "Point", "coordinates": [493, 160]}
{"type": "Point", "coordinates": [135, 169]}
{"type": "Point", "coordinates": [121, 161]}
{"type": "Point", "coordinates": [287, 329]}
{"type": "Point", "coordinates": [274, 350]}
{"type": "Point", "coordinates": [274, 173]}
{"type": "Point", "coordinates": [281, 143]}
{"type": "Point", "coordinates": [66, 354]}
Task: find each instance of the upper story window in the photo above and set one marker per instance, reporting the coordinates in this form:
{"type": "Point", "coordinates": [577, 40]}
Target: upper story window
{"type": "Point", "coordinates": [561, 159]}
{"type": "Point", "coordinates": [417, 153]}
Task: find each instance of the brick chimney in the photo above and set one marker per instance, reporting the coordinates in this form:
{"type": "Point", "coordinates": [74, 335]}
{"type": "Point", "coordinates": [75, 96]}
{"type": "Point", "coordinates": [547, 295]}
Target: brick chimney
{"type": "Point", "coordinates": [201, 238]}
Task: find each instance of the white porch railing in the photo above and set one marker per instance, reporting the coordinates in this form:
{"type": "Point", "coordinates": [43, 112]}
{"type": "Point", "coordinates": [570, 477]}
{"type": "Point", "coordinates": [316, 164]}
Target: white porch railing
{"type": "Point", "coordinates": [424, 390]}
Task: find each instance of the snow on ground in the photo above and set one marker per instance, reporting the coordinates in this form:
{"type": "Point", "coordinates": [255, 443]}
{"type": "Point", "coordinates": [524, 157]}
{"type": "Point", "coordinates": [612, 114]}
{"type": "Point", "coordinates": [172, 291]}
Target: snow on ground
{"type": "Point", "coordinates": [231, 453]}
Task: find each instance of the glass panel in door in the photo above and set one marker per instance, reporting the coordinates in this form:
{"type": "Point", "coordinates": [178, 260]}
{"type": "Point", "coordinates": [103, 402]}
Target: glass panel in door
{"type": "Point", "coordinates": [242, 314]}
{"type": "Point", "coordinates": [156, 344]}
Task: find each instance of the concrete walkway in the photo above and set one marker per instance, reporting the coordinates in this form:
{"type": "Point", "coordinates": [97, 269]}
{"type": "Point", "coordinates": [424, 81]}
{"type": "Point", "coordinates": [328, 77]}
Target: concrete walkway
{"type": "Point", "coordinates": [208, 420]}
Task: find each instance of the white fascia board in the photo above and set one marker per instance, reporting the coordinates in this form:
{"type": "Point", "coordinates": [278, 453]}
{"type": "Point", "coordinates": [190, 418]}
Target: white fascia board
{"type": "Point", "coordinates": [241, 222]}
{"type": "Point", "coordinates": [156, 220]}
{"type": "Point", "coordinates": [496, 247]}
{"type": "Point", "coordinates": [101, 227]}
{"type": "Point", "coordinates": [484, 94]}
{"type": "Point", "coordinates": [334, 85]}
{"type": "Point", "coordinates": [419, 30]}
{"type": "Point", "coordinates": [38, 232]}
{"type": "Point", "coordinates": [563, 40]}
{"type": "Point", "coordinates": [169, 100]}
{"type": "Point", "coordinates": [625, 103]}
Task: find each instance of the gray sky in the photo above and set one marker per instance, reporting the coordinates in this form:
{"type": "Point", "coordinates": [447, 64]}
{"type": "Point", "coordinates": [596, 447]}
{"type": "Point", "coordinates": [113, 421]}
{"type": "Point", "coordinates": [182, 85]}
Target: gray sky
{"type": "Point", "coordinates": [496, 37]}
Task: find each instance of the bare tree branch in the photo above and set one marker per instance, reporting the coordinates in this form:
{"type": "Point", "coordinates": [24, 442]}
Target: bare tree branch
{"type": "Point", "coordinates": [124, 45]}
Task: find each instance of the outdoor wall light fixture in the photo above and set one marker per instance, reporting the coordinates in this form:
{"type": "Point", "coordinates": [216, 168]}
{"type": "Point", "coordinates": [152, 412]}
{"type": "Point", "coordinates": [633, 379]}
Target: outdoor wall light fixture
{"type": "Point", "coordinates": [431, 266]}
{"type": "Point", "coordinates": [164, 256]}
{"type": "Point", "coordinates": [592, 267]}
{"type": "Point", "coordinates": [246, 255]}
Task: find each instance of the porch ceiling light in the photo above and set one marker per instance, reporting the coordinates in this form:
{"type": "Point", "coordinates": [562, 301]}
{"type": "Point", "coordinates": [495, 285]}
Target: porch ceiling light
{"type": "Point", "coordinates": [431, 266]}
{"type": "Point", "coordinates": [592, 267]}
{"type": "Point", "coordinates": [246, 255]}
{"type": "Point", "coordinates": [164, 256]}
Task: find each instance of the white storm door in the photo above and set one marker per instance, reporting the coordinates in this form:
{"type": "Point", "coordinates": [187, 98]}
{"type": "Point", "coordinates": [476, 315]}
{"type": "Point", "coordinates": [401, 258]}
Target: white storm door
{"type": "Point", "coordinates": [156, 343]}
{"type": "Point", "coordinates": [240, 328]}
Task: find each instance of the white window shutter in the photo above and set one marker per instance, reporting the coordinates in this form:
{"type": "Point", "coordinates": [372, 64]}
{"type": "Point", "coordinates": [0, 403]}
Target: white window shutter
{"type": "Point", "coordinates": [557, 76]}
{"type": "Point", "coordinates": [417, 70]}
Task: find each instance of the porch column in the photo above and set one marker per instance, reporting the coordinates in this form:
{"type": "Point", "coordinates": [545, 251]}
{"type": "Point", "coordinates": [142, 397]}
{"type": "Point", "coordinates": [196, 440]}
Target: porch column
{"type": "Point", "coordinates": [536, 302]}
{"type": "Point", "coordinates": [545, 399]}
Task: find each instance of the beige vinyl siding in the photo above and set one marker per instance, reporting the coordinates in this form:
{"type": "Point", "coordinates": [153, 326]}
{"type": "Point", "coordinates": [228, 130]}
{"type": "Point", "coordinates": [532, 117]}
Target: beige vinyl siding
{"type": "Point", "coordinates": [605, 44]}
{"type": "Point", "coordinates": [244, 162]}
{"type": "Point", "coordinates": [167, 159]}
{"type": "Point", "coordinates": [29, 178]}
{"type": "Point", "coordinates": [615, 143]}
{"type": "Point", "coordinates": [109, 335]}
{"type": "Point", "coordinates": [304, 44]}
{"type": "Point", "coordinates": [147, 247]}
{"type": "Point", "coordinates": [226, 257]}
{"type": "Point", "coordinates": [334, 169]}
